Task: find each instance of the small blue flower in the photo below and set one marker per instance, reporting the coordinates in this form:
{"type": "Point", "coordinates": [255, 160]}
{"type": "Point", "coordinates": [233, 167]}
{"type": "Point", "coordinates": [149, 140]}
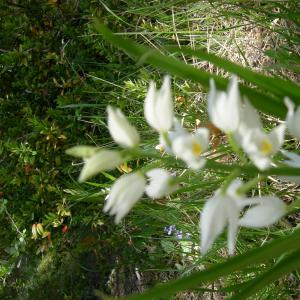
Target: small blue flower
{"type": "Point", "coordinates": [179, 234]}
{"type": "Point", "coordinates": [170, 229]}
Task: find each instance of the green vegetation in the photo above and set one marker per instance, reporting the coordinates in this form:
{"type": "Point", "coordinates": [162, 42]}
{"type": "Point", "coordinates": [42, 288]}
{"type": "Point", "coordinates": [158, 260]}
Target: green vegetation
{"type": "Point", "coordinates": [59, 69]}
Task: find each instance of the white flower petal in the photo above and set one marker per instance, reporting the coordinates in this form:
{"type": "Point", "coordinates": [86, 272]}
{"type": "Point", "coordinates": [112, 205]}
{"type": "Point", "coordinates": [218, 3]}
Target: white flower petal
{"type": "Point", "coordinates": [224, 107]}
{"type": "Point", "coordinates": [211, 98]}
{"type": "Point", "coordinates": [234, 106]}
{"type": "Point", "coordinates": [178, 129]}
{"type": "Point", "coordinates": [190, 148]}
{"type": "Point", "coordinates": [252, 141]}
{"type": "Point", "coordinates": [124, 193]}
{"type": "Point", "coordinates": [164, 105]}
{"type": "Point", "coordinates": [261, 162]}
{"type": "Point", "coordinates": [290, 105]}
{"type": "Point", "coordinates": [212, 221]}
{"type": "Point", "coordinates": [277, 137]}
{"type": "Point", "coordinates": [250, 115]}
{"type": "Point", "coordinates": [292, 118]}
{"type": "Point", "coordinates": [233, 91]}
{"type": "Point", "coordinates": [261, 146]}
{"type": "Point", "coordinates": [172, 135]}
{"type": "Point", "coordinates": [267, 211]}
{"type": "Point", "coordinates": [197, 164]}
{"type": "Point", "coordinates": [219, 116]}
{"type": "Point", "coordinates": [249, 121]}
{"type": "Point", "coordinates": [116, 193]}
{"type": "Point", "coordinates": [233, 187]}
{"type": "Point", "coordinates": [158, 106]}
{"type": "Point", "coordinates": [202, 135]}
{"type": "Point", "coordinates": [160, 184]}
{"type": "Point", "coordinates": [292, 163]}
{"type": "Point", "coordinates": [101, 161]}
{"type": "Point", "coordinates": [150, 104]}
{"type": "Point", "coordinates": [294, 159]}
{"type": "Point", "coordinates": [297, 122]}
{"type": "Point", "coordinates": [233, 216]}
{"type": "Point", "coordinates": [82, 151]}
{"type": "Point", "coordinates": [158, 174]}
{"type": "Point", "coordinates": [291, 155]}
{"type": "Point", "coordinates": [120, 129]}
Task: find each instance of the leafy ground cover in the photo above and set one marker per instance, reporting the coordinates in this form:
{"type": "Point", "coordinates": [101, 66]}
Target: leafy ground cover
{"type": "Point", "coordinates": [58, 74]}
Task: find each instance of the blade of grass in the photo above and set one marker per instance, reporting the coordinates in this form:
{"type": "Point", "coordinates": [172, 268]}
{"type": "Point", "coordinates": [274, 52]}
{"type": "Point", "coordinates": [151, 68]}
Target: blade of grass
{"type": "Point", "coordinates": [237, 263]}
{"type": "Point", "coordinates": [278, 86]}
{"type": "Point", "coordinates": [260, 100]}
{"type": "Point", "coordinates": [214, 165]}
{"type": "Point", "coordinates": [252, 170]}
{"type": "Point", "coordinates": [284, 266]}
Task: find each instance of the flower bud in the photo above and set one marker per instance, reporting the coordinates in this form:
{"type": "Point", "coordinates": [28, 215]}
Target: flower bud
{"type": "Point", "coordinates": [120, 129]}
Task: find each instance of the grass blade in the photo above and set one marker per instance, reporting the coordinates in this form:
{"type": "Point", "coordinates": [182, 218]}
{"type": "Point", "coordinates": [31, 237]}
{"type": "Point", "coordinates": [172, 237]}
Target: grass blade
{"type": "Point", "coordinates": [277, 86]}
{"type": "Point", "coordinates": [285, 266]}
{"type": "Point", "coordinates": [260, 100]}
{"type": "Point", "coordinates": [237, 263]}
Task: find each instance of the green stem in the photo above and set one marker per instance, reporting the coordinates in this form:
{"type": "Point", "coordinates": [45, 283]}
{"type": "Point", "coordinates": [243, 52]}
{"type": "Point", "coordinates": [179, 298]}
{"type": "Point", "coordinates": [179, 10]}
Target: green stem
{"type": "Point", "coordinates": [236, 148]}
{"type": "Point", "coordinates": [250, 184]}
{"type": "Point", "coordinates": [166, 138]}
{"type": "Point", "coordinates": [250, 169]}
{"type": "Point", "coordinates": [234, 174]}
{"type": "Point", "coordinates": [139, 153]}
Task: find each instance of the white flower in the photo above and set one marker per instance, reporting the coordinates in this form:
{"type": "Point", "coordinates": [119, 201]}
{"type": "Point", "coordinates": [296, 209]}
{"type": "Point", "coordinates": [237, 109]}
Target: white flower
{"type": "Point", "coordinates": [261, 146]}
{"type": "Point", "coordinates": [120, 129]}
{"type": "Point", "coordinates": [224, 107]}
{"type": "Point", "coordinates": [158, 107]}
{"type": "Point", "coordinates": [166, 139]}
{"type": "Point", "coordinates": [129, 188]}
{"type": "Point", "coordinates": [224, 208]}
{"type": "Point", "coordinates": [101, 161]}
{"type": "Point", "coordinates": [124, 193]}
{"type": "Point", "coordinates": [292, 118]}
{"type": "Point", "coordinates": [190, 147]}
{"type": "Point", "coordinates": [160, 184]}
{"type": "Point", "coordinates": [218, 211]}
{"type": "Point", "coordinates": [95, 160]}
{"type": "Point", "coordinates": [249, 120]}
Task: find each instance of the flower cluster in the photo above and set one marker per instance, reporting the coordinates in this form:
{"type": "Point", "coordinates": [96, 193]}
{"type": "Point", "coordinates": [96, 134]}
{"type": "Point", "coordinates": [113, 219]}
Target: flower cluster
{"type": "Point", "coordinates": [156, 182]}
{"type": "Point", "coordinates": [230, 113]}
{"type": "Point", "coordinates": [225, 208]}
{"type": "Point", "coordinates": [226, 112]}
{"type": "Point", "coordinates": [175, 139]}
{"type": "Point", "coordinates": [172, 231]}
{"type": "Point", "coordinates": [240, 120]}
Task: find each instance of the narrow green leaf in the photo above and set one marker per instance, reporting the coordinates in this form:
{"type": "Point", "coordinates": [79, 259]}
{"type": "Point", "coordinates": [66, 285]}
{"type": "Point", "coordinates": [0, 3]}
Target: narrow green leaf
{"type": "Point", "coordinates": [237, 263]}
{"type": "Point", "coordinates": [260, 100]}
{"type": "Point", "coordinates": [252, 170]}
{"type": "Point", "coordinates": [286, 265]}
{"type": "Point", "coordinates": [278, 86]}
{"type": "Point", "coordinates": [108, 176]}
